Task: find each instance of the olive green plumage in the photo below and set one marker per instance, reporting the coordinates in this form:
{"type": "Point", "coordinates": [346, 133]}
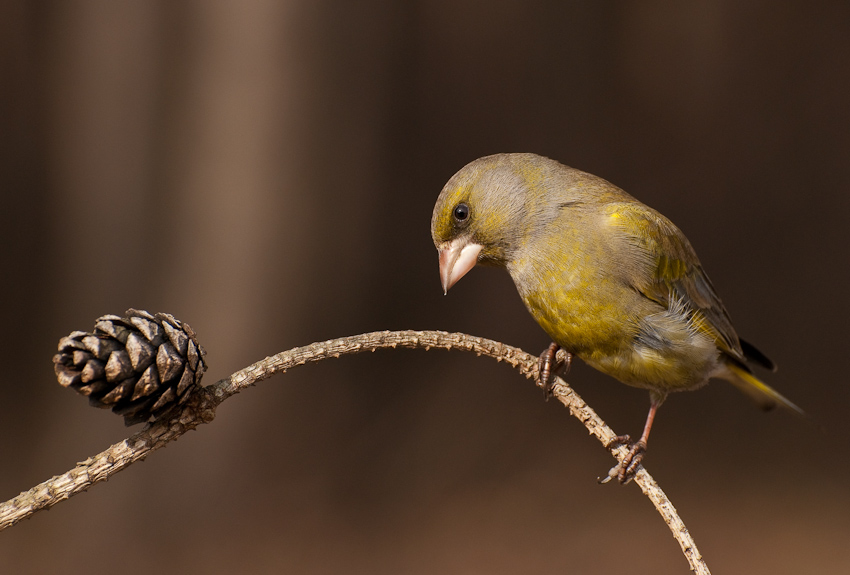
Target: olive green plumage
{"type": "Point", "coordinates": [608, 278]}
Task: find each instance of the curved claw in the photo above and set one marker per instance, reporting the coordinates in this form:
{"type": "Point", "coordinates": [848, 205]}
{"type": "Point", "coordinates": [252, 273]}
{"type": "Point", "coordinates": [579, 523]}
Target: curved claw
{"type": "Point", "coordinates": [552, 360]}
{"type": "Point", "coordinates": [625, 470]}
{"type": "Point", "coordinates": [619, 440]}
{"type": "Point", "coordinates": [631, 462]}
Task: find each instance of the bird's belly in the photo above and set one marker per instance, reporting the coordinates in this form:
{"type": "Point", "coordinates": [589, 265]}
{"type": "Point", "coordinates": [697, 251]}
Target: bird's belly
{"type": "Point", "coordinates": [654, 351]}
{"type": "Point", "coordinates": [677, 368]}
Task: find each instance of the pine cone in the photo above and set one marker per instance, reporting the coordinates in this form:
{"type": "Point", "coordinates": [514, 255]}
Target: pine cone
{"type": "Point", "coordinates": [139, 365]}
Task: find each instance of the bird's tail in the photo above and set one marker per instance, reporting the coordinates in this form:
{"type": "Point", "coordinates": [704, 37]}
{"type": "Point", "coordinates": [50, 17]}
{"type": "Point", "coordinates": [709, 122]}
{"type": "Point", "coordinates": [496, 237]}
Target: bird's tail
{"type": "Point", "coordinates": [767, 397]}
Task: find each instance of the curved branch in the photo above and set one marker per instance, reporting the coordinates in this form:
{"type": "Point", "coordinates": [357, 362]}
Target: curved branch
{"type": "Point", "coordinates": [201, 409]}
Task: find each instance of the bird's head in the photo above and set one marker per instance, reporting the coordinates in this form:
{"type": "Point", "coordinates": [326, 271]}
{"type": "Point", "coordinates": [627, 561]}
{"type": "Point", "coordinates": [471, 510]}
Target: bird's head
{"type": "Point", "coordinates": [486, 212]}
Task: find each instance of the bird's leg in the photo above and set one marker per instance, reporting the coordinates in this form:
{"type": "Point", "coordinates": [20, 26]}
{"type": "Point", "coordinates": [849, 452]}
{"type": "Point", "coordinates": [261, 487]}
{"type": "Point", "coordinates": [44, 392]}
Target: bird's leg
{"type": "Point", "coordinates": [630, 463]}
{"type": "Point", "coordinates": [625, 471]}
{"type": "Point", "coordinates": [552, 360]}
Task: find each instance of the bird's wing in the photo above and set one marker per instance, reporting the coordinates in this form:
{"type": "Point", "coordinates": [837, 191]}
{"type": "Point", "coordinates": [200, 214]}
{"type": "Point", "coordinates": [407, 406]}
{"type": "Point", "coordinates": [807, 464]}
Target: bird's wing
{"type": "Point", "coordinates": [662, 265]}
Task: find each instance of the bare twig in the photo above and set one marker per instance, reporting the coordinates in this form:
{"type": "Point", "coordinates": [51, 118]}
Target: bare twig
{"type": "Point", "coordinates": [201, 409]}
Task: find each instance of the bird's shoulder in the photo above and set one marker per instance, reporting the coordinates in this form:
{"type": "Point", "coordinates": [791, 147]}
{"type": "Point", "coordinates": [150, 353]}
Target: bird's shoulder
{"type": "Point", "coordinates": [648, 231]}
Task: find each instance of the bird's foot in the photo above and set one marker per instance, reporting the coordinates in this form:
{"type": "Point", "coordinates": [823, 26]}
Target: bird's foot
{"type": "Point", "coordinates": [625, 470]}
{"type": "Point", "coordinates": [552, 360]}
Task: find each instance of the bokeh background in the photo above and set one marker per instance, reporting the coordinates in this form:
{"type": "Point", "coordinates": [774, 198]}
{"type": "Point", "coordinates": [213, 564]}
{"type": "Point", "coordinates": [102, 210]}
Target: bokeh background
{"type": "Point", "coordinates": [266, 172]}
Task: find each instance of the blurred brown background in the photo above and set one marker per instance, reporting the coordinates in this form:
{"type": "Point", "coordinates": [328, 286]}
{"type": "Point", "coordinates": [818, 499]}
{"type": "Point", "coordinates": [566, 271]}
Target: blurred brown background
{"type": "Point", "coordinates": [266, 171]}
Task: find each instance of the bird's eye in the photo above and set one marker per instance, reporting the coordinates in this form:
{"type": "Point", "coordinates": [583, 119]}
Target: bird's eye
{"type": "Point", "coordinates": [461, 212]}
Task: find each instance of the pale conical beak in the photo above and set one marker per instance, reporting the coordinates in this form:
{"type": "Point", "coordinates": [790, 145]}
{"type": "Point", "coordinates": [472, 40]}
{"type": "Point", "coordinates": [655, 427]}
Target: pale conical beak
{"type": "Point", "coordinates": [456, 258]}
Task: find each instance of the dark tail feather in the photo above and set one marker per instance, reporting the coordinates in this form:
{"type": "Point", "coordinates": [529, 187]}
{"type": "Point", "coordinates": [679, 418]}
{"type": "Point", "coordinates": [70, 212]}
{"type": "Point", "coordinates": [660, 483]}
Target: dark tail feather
{"type": "Point", "coordinates": [753, 354]}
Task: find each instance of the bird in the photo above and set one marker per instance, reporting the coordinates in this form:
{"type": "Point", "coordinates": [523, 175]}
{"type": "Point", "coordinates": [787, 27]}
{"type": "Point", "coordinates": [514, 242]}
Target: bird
{"type": "Point", "coordinates": [609, 279]}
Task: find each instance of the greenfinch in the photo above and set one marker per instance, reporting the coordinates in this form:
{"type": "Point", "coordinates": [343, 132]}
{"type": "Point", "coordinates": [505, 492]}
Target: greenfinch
{"type": "Point", "coordinates": [609, 279]}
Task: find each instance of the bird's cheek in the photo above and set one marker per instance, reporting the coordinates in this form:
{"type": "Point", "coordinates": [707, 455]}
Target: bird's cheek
{"type": "Point", "coordinates": [456, 259]}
